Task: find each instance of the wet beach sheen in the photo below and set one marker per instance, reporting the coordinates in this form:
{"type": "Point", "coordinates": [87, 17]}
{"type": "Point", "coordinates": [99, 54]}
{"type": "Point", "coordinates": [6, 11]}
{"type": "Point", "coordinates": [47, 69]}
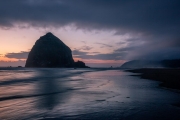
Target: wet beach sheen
{"type": "Point", "coordinates": [52, 94]}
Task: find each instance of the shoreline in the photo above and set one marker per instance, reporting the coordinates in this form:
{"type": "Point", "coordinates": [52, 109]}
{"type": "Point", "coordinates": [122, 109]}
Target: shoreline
{"type": "Point", "coordinates": [169, 78]}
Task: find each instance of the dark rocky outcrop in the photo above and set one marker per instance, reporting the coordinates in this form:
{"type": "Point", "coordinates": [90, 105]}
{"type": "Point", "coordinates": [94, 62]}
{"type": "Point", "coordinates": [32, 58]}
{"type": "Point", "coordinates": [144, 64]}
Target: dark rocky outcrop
{"type": "Point", "coordinates": [141, 64]}
{"type": "Point", "coordinates": [80, 64]}
{"type": "Point", "coordinates": [50, 51]}
{"type": "Point", "coordinates": [174, 63]}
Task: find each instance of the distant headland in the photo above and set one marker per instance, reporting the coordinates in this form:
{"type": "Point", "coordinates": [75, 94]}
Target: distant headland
{"type": "Point", "coordinates": [50, 52]}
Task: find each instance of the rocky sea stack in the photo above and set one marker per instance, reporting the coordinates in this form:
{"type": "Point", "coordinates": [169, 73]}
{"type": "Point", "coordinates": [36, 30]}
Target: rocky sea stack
{"type": "Point", "coordinates": [50, 52]}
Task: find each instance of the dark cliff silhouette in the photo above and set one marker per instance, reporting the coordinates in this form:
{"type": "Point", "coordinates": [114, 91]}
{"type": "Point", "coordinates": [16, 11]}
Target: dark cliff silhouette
{"type": "Point", "coordinates": [49, 51]}
{"type": "Point", "coordinates": [142, 64]}
{"type": "Point", "coordinates": [174, 63]}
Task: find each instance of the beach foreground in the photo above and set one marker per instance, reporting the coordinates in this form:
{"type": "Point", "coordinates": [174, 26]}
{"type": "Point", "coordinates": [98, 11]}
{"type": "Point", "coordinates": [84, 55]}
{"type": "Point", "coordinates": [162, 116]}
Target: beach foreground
{"type": "Point", "coordinates": [55, 94]}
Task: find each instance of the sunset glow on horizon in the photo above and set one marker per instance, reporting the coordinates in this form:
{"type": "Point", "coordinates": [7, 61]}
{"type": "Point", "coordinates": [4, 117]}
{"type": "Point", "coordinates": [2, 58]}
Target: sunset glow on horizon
{"type": "Point", "coordinates": [110, 33]}
{"type": "Point", "coordinates": [22, 40]}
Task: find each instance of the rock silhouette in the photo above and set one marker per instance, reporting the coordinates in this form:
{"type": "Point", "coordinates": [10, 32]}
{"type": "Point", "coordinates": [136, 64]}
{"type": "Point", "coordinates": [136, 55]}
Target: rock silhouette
{"type": "Point", "coordinates": [141, 64]}
{"type": "Point", "coordinates": [174, 63]}
{"type": "Point", "coordinates": [49, 51]}
{"type": "Point", "coordinates": [80, 64]}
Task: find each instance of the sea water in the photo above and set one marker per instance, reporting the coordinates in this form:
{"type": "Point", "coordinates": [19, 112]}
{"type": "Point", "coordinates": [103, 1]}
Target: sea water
{"type": "Point", "coordinates": [54, 93]}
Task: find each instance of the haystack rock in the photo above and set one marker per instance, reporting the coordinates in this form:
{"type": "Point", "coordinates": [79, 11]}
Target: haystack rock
{"type": "Point", "coordinates": [50, 51]}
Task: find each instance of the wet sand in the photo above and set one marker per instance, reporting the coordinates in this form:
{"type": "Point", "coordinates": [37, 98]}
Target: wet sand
{"type": "Point", "coordinates": [83, 94]}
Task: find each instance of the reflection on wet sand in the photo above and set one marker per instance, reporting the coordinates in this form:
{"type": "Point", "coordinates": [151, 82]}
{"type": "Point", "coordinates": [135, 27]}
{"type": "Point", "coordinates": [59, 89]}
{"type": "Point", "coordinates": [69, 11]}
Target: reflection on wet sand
{"type": "Point", "coordinates": [51, 88]}
{"type": "Point", "coordinates": [77, 94]}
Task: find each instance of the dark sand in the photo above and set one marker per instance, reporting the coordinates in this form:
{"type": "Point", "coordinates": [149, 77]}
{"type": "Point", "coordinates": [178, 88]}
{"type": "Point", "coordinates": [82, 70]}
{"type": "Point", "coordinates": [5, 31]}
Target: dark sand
{"type": "Point", "coordinates": [170, 78]}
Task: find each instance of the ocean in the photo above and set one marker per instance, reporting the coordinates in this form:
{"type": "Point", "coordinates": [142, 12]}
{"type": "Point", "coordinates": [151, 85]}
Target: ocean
{"type": "Point", "coordinates": [83, 94]}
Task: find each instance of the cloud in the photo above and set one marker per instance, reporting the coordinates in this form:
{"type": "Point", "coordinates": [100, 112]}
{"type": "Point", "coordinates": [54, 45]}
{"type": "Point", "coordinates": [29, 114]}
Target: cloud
{"type": "Point", "coordinates": [83, 42]}
{"type": "Point", "coordinates": [77, 52]}
{"type": "Point", "coordinates": [156, 22]}
{"type": "Point", "coordinates": [85, 47]}
{"type": "Point", "coordinates": [99, 56]}
{"type": "Point", "coordinates": [159, 54]}
{"type": "Point", "coordinates": [103, 44]}
{"type": "Point", "coordinates": [95, 52]}
{"type": "Point", "coordinates": [20, 55]}
{"type": "Point", "coordinates": [153, 16]}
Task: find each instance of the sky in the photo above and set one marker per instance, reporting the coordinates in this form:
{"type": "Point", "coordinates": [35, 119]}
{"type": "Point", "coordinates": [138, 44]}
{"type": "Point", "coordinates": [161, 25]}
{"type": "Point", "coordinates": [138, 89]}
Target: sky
{"type": "Point", "coordinates": [102, 33]}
